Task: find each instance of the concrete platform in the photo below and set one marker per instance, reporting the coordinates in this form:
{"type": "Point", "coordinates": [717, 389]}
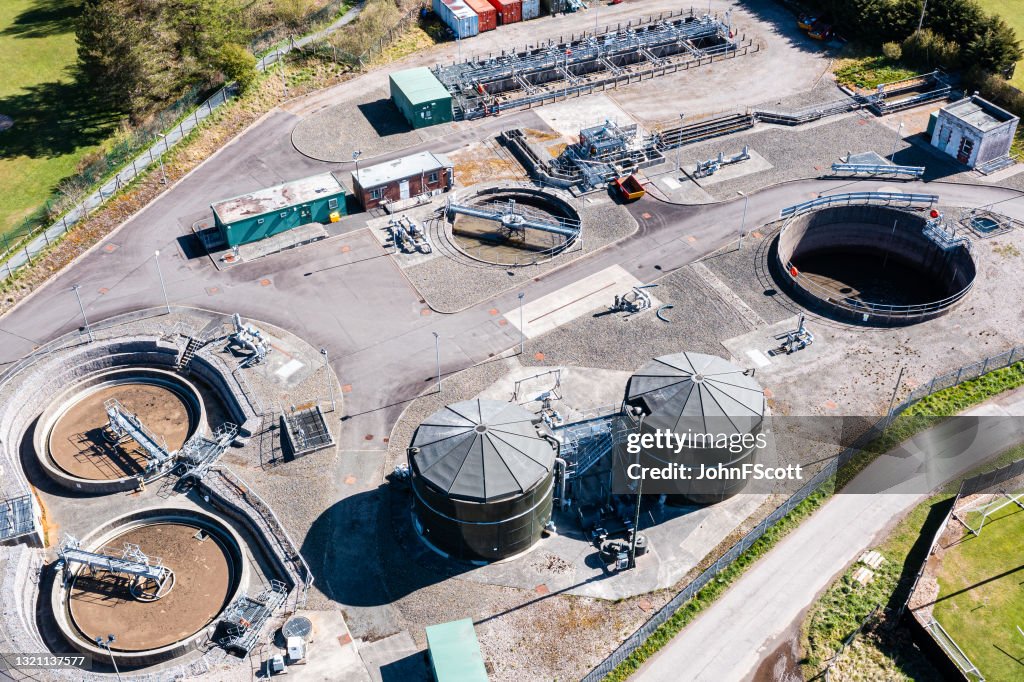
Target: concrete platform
{"type": "Point", "coordinates": [593, 292]}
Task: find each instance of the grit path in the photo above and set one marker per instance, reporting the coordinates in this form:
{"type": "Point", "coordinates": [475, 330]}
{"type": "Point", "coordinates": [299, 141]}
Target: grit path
{"type": "Point", "coordinates": [730, 639]}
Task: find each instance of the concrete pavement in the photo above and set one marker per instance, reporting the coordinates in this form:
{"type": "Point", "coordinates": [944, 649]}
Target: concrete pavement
{"type": "Point", "coordinates": [728, 641]}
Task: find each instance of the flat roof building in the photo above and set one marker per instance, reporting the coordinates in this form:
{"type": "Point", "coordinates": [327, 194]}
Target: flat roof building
{"type": "Point", "coordinates": [421, 98]}
{"type": "Point", "coordinates": [974, 131]}
{"type": "Point", "coordinates": [404, 178]}
{"type": "Point", "coordinates": [272, 210]}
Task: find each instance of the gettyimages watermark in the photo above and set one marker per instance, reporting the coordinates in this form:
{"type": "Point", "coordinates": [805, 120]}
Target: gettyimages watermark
{"type": "Point", "coordinates": [781, 454]}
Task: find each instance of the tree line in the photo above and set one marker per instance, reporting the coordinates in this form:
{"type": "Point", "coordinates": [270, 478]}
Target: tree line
{"type": "Point", "coordinates": [135, 55]}
{"type": "Point", "coordinates": [953, 34]}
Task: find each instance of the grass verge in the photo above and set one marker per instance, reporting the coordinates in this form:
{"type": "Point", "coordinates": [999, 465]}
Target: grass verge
{"type": "Point", "coordinates": [867, 73]}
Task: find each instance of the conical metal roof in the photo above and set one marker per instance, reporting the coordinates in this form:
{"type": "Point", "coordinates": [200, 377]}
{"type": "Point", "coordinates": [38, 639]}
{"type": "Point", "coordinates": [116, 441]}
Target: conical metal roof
{"type": "Point", "coordinates": [482, 450]}
{"type": "Point", "coordinates": [697, 392]}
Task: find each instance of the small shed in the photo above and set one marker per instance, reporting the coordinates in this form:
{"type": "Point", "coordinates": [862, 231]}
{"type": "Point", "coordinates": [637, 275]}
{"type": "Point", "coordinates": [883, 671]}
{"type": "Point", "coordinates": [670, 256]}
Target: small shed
{"type": "Point", "coordinates": [421, 98]}
{"type": "Point", "coordinates": [273, 210]}
{"type": "Point", "coordinates": [974, 131]}
{"type": "Point", "coordinates": [455, 652]}
{"type": "Point", "coordinates": [407, 177]}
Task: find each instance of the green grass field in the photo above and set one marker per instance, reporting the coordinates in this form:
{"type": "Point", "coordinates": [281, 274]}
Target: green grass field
{"type": "Point", "coordinates": [981, 595]}
{"type": "Point", "coordinates": [55, 124]}
{"type": "Point", "coordinates": [1012, 11]}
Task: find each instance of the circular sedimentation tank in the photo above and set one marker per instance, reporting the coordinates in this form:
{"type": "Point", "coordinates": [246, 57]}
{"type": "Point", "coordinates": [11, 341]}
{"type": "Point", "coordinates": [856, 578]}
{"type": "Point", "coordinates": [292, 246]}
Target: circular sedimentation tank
{"type": "Point", "coordinates": [206, 559]}
{"type": "Point", "coordinates": [506, 241]}
{"type": "Point", "coordinates": [871, 265]}
{"type": "Point", "coordinates": [482, 479]}
{"type": "Point", "coordinates": [713, 408]}
{"type": "Point", "coordinates": [75, 444]}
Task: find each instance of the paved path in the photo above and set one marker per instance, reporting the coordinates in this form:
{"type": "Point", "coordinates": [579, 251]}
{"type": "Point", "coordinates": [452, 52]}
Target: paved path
{"type": "Point", "coordinates": [727, 642]}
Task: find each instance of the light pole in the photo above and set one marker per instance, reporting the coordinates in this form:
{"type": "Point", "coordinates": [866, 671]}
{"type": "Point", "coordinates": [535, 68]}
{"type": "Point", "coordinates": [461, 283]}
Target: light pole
{"type": "Point", "coordinates": [743, 221]}
{"type": "Point", "coordinates": [106, 645]}
{"type": "Point", "coordinates": [679, 145]}
{"type": "Point", "coordinates": [636, 513]}
{"type": "Point", "coordinates": [355, 157]}
{"type": "Point", "coordinates": [437, 358]}
{"type": "Point", "coordinates": [920, 20]}
{"type": "Point", "coordinates": [899, 134]}
{"type": "Point", "coordinates": [330, 384]}
{"type": "Point", "coordinates": [88, 330]}
{"type": "Point", "coordinates": [522, 329]}
{"type": "Point", "coordinates": [160, 274]}
{"type": "Point", "coordinates": [163, 174]}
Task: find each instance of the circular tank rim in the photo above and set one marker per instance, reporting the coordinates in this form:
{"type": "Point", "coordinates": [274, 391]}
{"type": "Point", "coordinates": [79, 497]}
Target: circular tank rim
{"type": "Point", "coordinates": [233, 543]}
{"type": "Point", "coordinates": [893, 315]}
{"type": "Point", "coordinates": [65, 401]}
{"type": "Point", "coordinates": [449, 225]}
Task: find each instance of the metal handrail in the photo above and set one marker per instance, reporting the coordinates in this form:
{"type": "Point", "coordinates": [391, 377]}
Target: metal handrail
{"type": "Point", "coordinates": [868, 198]}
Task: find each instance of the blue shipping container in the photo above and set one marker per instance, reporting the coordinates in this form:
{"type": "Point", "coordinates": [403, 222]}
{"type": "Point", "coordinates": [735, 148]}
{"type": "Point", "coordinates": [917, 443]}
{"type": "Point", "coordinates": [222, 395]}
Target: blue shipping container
{"type": "Point", "coordinates": [459, 17]}
{"type": "Point", "coordinates": [531, 9]}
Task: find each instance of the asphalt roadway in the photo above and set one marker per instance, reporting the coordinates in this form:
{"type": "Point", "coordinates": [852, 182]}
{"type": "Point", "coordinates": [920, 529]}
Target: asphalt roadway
{"type": "Point", "coordinates": [346, 295]}
{"type": "Point", "coordinates": [742, 628]}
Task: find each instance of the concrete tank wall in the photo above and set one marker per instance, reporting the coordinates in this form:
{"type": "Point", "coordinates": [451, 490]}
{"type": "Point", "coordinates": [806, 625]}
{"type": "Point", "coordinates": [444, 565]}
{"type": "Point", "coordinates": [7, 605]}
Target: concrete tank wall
{"type": "Point", "coordinates": [889, 232]}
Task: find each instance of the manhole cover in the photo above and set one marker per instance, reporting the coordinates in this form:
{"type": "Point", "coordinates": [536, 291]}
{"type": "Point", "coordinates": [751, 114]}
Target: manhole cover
{"type": "Point", "coordinates": [297, 627]}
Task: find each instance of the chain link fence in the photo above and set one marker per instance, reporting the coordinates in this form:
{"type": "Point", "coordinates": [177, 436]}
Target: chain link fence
{"type": "Point", "coordinates": [819, 481]}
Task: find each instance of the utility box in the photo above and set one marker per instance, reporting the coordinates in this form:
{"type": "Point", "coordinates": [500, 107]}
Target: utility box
{"type": "Point", "coordinates": [273, 210]}
{"type": "Point", "coordinates": [974, 131]}
{"type": "Point", "coordinates": [421, 98]}
{"type": "Point", "coordinates": [296, 650]}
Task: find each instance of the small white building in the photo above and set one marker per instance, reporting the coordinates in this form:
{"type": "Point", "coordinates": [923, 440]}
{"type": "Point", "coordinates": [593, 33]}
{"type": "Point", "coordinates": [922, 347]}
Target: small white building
{"type": "Point", "coordinates": [974, 131]}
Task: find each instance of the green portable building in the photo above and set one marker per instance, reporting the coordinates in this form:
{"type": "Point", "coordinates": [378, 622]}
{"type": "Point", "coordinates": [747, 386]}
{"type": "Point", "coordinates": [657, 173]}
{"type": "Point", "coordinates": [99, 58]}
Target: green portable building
{"type": "Point", "coordinates": [277, 209]}
{"type": "Point", "coordinates": [421, 98]}
{"type": "Point", "coordinates": [455, 652]}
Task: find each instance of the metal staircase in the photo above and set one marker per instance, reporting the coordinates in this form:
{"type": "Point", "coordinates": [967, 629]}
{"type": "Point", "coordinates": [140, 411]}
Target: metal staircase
{"type": "Point", "coordinates": [191, 348]}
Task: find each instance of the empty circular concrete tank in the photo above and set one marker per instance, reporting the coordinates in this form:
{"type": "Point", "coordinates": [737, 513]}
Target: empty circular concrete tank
{"type": "Point", "coordinates": [871, 265]}
{"type": "Point", "coordinates": [694, 396]}
{"type": "Point", "coordinates": [482, 478]}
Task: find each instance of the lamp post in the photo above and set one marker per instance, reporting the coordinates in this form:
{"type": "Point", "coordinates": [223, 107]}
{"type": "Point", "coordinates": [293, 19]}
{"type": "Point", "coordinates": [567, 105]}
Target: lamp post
{"type": "Point", "coordinates": [160, 274]}
{"type": "Point", "coordinates": [330, 384]}
{"type": "Point", "coordinates": [636, 513]}
{"type": "Point", "coordinates": [899, 134]}
{"type": "Point", "coordinates": [163, 174]}
{"type": "Point", "coordinates": [437, 358]}
{"type": "Point", "coordinates": [679, 146]}
{"type": "Point", "coordinates": [88, 330]}
{"type": "Point", "coordinates": [522, 329]}
{"type": "Point", "coordinates": [355, 157]}
{"type": "Point", "coordinates": [106, 645]}
{"type": "Point", "coordinates": [743, 221]}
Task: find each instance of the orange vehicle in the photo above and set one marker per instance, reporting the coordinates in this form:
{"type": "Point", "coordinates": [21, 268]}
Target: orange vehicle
{"type": "Point", "coordinates": [629, 188]}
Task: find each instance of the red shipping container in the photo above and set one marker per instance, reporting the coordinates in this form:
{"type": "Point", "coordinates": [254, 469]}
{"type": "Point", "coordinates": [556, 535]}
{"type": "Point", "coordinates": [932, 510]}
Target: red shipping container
{"type": "Point", "coordinates": [509, 11]}
{"type": "Point", "coordinates": [488, 18]}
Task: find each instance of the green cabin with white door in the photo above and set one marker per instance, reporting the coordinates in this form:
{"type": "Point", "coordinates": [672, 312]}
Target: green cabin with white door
{"type": "Point", "coordinates": [273, 210]}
